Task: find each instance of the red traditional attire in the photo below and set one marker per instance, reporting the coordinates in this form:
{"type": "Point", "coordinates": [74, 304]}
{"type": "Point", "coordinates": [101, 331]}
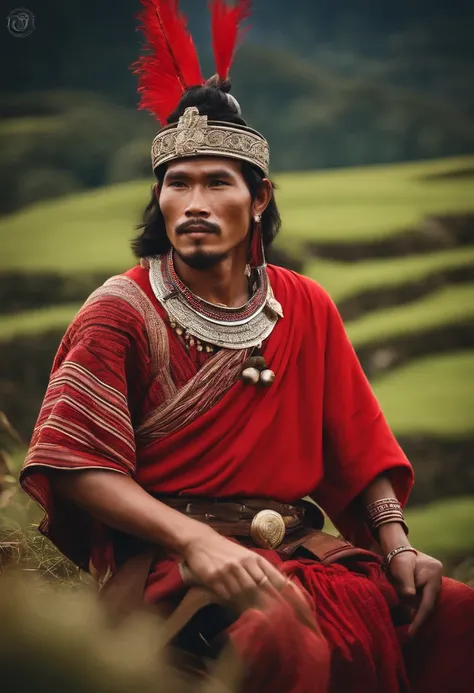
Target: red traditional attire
{"type": "Point", "coordinates": [125, 395]}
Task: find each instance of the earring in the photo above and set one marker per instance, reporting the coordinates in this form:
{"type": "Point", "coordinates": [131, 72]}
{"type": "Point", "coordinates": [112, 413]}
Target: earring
{"type": "Point", "coordinates": [257, 253]}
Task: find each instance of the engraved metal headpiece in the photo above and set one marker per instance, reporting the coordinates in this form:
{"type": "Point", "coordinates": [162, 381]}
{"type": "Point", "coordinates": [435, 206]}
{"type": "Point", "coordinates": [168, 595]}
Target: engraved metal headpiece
{"type": "Point", "coordinates": [195, 135]}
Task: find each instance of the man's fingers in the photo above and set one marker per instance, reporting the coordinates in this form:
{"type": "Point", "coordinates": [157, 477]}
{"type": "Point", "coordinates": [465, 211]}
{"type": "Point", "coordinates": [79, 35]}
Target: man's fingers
{"type": "Point", "coordinates": [402, 572]}
{"type": "Point", "coordinates": [247, 579]}
{"type": "Point", "coordinates": [428, 600]}
{"type": "Point", "coordinates": [277, 579]}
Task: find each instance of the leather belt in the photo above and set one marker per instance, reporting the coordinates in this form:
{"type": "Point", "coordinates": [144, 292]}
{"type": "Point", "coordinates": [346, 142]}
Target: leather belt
{"type": "Point", "coordinates": [242, 518]}
{"type": "Point", "coordinates": [268, 523]}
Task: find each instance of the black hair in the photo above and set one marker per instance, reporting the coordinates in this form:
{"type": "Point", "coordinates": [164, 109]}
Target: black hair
{"type": "Point", "coordinates": [211, 100]}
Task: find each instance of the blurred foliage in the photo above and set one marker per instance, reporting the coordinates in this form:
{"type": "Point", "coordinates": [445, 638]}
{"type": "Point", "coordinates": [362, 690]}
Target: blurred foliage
{"type": "Point", "coordinates": [130, 162]}
{"type": "Point", "coordinates": [61, 135]}
{"type": "Point", "coordinates": [60, 640]}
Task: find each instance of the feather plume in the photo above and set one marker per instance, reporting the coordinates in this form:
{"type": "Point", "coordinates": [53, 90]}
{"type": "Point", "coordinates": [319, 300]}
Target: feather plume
{"type": "Point", "coordinates": [172, 63]}
{"type": "Point", "coordinates": [226, 29]}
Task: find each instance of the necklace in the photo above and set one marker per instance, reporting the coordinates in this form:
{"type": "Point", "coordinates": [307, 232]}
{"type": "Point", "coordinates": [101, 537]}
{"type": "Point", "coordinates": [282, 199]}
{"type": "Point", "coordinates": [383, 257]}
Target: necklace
{"type": "Point", "coordinates": [231, 328]}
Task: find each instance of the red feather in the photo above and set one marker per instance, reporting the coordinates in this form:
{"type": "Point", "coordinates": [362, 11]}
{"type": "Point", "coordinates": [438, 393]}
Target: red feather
{"type": "Point", "coordinates": [172, 64]}
{"type": "Point", "coordinates": [226, 20]}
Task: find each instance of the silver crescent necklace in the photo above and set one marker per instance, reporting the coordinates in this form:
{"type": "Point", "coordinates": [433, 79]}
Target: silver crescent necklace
{"type": "Point", "coordinates": [230, 328]}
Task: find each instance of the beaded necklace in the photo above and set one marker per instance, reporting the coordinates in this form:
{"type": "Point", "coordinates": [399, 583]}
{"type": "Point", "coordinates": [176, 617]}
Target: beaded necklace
{"type": "Point", "coordinates": [206, 325]}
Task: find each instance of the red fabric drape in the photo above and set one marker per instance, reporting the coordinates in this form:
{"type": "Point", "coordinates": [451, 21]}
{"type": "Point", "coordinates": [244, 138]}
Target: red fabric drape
{"type": "Point", "coordinates": [365, 646]}
{"type": "Point", "coordinates": [317, 430]}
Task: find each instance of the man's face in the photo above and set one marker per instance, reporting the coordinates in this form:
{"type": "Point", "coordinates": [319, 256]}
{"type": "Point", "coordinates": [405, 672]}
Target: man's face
{"type": "Point", "coordinates": [206, 205]}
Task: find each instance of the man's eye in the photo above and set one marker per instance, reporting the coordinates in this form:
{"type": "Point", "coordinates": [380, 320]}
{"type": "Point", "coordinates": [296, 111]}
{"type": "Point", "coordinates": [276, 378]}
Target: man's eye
{"type": "Point", "coordinates": [176, 184]}
{"type": "Point", "coordinates": [217, 182]}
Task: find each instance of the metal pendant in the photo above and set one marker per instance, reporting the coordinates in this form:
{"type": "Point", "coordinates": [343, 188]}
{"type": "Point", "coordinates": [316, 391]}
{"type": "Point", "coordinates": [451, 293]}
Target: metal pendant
{"type": "Point", "coordinates": [268, 529]}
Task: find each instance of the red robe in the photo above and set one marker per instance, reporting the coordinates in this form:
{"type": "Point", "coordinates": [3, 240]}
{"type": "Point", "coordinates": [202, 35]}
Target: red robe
{"type": "Point", "coordinates": [125, 395]}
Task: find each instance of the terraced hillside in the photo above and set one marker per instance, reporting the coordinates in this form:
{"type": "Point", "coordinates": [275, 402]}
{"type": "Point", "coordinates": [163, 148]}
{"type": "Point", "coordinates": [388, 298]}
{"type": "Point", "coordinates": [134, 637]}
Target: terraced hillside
{"type": "Point", "coordinates": [394, 246]}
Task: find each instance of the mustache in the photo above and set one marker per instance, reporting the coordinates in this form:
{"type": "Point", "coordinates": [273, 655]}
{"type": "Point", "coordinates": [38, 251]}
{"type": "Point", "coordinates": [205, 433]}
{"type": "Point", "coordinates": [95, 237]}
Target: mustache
{"type": "Point", "coordinates": [189, 224]}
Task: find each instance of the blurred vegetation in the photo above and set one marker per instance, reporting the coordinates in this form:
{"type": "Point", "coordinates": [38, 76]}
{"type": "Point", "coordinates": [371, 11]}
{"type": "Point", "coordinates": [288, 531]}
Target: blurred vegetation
{"type": "Point", "coordinates": [57, 639]}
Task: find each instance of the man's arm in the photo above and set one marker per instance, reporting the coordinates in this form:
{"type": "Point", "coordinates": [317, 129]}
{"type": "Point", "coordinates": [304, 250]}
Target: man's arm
{"type": "Point", "coordinates": [364, 463]}
{"type": "Point", "coordinates": [391, 535]}
{"type": "Point", "coordinates": [416, 576]}
{"type": "Point", "coordinates": [119, 502]}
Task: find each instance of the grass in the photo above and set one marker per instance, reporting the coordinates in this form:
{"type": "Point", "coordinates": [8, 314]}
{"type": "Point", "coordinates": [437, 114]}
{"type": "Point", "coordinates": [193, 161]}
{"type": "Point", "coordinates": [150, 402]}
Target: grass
{"type": "Point", "coordinates": [362, 204]}
{"type": "Point", "coordinates": [343, 280]}
{"type": "Point", "coordinates": [443, 528]}
{"type": "Point", "coordinates": [35, 322]}
{"type": "Point", "coordinates": [91, 231]}
{"type": "Point", "coordinates": [448, 306]}
{"type": "Point", "coordinates": [432, 395]}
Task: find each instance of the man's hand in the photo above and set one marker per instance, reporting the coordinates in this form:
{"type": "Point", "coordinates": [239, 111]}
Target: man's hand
{"type": "Point", "coordinates": [417, 578]}
{"type": "Point", "coordinates": [231, 571]}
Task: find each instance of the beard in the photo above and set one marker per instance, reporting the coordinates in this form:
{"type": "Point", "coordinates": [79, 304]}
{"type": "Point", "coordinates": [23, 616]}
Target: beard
{"type": "Point", "coordinates": [200, 259]}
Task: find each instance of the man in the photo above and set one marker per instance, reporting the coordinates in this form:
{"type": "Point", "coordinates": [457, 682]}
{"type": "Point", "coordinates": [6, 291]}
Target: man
{"type": "Point", "coordinates": [198, 397]}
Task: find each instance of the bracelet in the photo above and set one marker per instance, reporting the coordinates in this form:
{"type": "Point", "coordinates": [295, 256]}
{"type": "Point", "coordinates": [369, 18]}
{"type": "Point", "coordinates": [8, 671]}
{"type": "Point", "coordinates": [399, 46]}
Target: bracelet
{"type": "Point", "coordinates": [395, 552]}
{"type": "Point", "coordinates": [382, 512]}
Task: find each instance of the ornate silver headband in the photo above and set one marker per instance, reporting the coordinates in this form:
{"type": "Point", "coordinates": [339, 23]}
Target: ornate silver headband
{"type": "Point", "coordinates": [195, 135]}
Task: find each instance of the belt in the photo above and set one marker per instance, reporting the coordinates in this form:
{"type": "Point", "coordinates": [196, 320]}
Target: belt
{"type": "Point", "coordinates": [268, 524]}
{"type": "Point", "coordinates": [265, 523]}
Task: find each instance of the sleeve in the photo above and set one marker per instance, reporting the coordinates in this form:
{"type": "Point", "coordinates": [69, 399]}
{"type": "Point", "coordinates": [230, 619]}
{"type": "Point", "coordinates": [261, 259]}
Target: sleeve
{"type": "Point", "coordinates": [85, 422]}
{"type": "Point", "coordinates": [358, 444]}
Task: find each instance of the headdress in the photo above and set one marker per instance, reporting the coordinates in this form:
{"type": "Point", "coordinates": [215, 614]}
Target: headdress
{"type": "Point", "coordinates": [171, 66]}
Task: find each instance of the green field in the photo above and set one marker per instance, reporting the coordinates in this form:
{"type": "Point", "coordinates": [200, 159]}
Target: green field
{"type": "Point", "coordinates": [91, 231]}
{"type": "Point", "coordinates": [86, 232]}
{"type": "Point", "coordinates": [343, 280]}
{"type": "Point", "coordinates": [432, 395]}
{"type": "Point", "coordinates": [360, 204]}
{"type": "Point", "coordinates": [31, 322]}
{"type": "Point", "coordinates": [444, 528]}
{"type": "Point", "coordinates": [447, 306]}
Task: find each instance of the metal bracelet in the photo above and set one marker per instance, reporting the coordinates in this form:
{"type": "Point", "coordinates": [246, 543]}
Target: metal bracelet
{"type": "Point", "coordinates": [395, 552]}
{"type": "Point", "coordinates": [401, 521]}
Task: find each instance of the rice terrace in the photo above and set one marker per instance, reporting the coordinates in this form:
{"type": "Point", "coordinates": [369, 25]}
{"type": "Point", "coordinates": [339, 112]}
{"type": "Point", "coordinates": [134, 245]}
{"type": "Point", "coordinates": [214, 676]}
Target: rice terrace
{"type": "Point", "coordinates": [393, 245]}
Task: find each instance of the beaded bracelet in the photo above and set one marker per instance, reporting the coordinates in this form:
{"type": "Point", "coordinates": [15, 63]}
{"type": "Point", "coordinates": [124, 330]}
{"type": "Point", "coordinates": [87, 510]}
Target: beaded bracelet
{"type": "Point", "coordinates": [382, 511]}
{"type": "Point", "coordinates": [395, 552]}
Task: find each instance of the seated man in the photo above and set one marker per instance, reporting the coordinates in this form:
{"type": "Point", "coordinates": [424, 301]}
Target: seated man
{"type": "Point", "coordinates": [196, 399]}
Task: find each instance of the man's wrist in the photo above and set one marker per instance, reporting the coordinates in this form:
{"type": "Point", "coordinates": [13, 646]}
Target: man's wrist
{"type": "Point", "coordinates": [189, 535]}
{"type": "Point", "coordinates": [392, 535]}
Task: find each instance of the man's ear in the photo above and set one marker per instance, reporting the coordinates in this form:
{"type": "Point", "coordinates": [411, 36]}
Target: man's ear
{"type": "Point", "coordinates": [263, 197]}
{"type": "Point", "coordinates": [156, 190]}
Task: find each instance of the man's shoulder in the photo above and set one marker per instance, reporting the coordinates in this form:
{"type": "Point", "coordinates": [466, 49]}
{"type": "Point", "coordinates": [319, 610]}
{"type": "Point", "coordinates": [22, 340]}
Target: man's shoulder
{"type": "Point", "coordinates": [119, 301]}
{"type": "Point", "coordinates": [291, 284]}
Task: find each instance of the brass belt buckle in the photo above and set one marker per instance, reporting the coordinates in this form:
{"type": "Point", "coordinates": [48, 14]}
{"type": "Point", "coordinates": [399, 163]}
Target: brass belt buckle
{"type": "Point", "coordinates": [267, 529]}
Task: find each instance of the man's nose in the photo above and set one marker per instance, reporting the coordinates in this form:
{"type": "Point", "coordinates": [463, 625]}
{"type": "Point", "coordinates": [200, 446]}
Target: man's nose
{"type": "Point", "coordinates": [197, 206]}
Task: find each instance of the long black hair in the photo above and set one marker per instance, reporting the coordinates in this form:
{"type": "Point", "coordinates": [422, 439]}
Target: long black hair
{"type": "Point", "coordinates": [211, 100]}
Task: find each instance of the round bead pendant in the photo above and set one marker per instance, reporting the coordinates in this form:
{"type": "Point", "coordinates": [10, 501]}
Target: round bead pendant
{"type": "Point", "coordinates": [251, 376]}
{"type": "Point", "coordinates": [267, 377]}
